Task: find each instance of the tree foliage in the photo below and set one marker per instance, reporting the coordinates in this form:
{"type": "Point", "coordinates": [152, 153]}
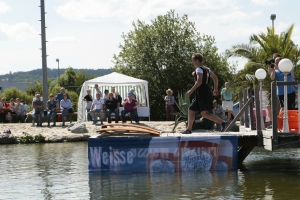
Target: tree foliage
{"type": "Point", "coordinates": [160, 52]}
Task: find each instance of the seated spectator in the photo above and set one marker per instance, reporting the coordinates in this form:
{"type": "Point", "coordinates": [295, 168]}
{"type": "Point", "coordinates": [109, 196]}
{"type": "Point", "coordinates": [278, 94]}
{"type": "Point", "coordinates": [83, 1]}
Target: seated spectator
{"type": "Point", "coordinates": [25, 106]}
{"type": "Point", "coordinates": [218, 110]}
{"type": "Point", "coordinates": [52, 106]}
{"type": "Point", "coordinates": [119, 98]}
{"type": "Point", "coordinates": [97, 107]}
{"type": "Point", "coordinates": [105, 95]}
{"type": "Point", "coordinates": [88, 99]}
{"type": "Point", "coordinates": [112, 106]}
{"type": "Point", "coordinates": [60, 96]}
{"type": "Point", "coordinates": [33, 115]}
{"type": "Point", "coordinates": [20, 110]}
{"type": "Point", "coordinates": [4, 106]}
{"type": "Point", "coordinates": [12, 107]}
{"type": "Point", "coordinates": [65, 108]}
{"type": "Point", "coordinates": [38, 110]}
{"type": "Point", "coordinates": [130, 106]}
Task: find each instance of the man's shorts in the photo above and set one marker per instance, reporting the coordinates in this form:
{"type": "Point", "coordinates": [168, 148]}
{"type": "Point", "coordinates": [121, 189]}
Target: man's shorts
{"type": "Point", "coordinates": [227, 105]}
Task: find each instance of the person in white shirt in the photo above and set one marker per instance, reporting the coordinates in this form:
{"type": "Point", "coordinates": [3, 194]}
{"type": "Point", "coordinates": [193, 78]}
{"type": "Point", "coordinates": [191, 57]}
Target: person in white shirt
{"type": "Point", "coordinates": [97, 107]}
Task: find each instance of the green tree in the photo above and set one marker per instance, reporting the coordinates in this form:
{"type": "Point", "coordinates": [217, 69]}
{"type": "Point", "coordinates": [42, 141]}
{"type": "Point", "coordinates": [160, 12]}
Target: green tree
{"type": "Point", "coordinates": [160, 52]}
{"type": "Point", "coordinates": [67, 80]}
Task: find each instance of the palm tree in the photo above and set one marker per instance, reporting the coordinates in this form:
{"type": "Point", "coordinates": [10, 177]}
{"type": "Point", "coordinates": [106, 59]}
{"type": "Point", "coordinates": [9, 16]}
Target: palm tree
{"type": "Point", "coordinates": [261, 47]}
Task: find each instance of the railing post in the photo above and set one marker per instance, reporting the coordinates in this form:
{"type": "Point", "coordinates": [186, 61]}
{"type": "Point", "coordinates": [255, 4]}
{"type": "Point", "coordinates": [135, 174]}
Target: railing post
{"type": "Point", "coordinates": [251, 108]}
{"type": "Point", "coordinates": [241, 104]}
{"type": "Point", "coordinates": [258, 117]}
{"type": "Point", "coordinates": [274, 101]}
{"type": "Point", "coordinates": [246, 111]}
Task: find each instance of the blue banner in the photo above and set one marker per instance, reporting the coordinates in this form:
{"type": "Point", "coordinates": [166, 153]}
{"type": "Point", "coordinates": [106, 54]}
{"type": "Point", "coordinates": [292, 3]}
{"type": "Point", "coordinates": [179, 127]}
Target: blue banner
{"type": "Point", "coordinates": [162, 154]}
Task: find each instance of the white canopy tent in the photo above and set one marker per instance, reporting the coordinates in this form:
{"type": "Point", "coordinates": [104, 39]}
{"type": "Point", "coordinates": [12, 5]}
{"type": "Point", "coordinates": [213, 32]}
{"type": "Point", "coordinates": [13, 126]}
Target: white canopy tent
{"type": "Point", "coordinates": [122, 84]}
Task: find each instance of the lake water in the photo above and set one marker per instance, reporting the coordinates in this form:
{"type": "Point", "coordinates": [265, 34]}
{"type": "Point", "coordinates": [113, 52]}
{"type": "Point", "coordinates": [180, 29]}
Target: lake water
{"type": "Point", "coordinates": [60, 171]}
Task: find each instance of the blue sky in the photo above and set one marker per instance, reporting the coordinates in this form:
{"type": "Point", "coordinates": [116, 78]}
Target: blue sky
{"type": "Point", "coordinates": [86, 33]}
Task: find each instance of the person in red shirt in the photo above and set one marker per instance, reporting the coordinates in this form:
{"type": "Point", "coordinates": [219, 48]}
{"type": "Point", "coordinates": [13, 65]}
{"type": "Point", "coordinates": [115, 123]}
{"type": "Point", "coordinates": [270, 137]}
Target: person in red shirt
{"type": "Point", "coordinates": [130, 106]}
{"type": "Point", "coordinates": [3, 110]}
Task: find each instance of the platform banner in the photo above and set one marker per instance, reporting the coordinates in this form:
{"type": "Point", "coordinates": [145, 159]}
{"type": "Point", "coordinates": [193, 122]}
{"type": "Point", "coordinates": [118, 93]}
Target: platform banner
{"type": "Point", "coordinates": [162, 154]}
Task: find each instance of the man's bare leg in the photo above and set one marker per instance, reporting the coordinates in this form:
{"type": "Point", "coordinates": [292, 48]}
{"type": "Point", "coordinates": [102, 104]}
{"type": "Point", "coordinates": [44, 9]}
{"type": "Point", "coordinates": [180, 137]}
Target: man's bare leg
{"type": "Point", "coordinates": [191, 119]}
{"type": "Point", "coordinates": [229, 115]}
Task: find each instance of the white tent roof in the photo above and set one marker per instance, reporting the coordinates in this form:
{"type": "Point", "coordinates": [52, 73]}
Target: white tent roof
{"type": "Point", "coordinates": [115, 78]}
{"type": "Point", "coordinates": [122, 82]}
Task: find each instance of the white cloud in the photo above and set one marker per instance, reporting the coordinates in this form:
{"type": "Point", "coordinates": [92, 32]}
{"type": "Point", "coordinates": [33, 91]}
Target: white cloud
{"type": "Point", "coordinates": [63, 39]}
{"type": "Point", "coordinates": [19, 32]}
{"type": "Point", "coordinates": [4, 7]}
{"type": "Point", "coordinates": [231, 16]}
{"type": "Point", "coordinates": [256, 13]}
{"type": "Point", "coordinates": [263, 2]}
{"type": "Point", "coordinates": [129, 10]}
{"type": "Point", "coordinates": [245, 31]}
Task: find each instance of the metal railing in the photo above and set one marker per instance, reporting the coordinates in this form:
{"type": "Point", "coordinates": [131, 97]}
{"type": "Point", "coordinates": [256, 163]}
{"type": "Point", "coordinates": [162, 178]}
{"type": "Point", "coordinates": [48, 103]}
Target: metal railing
{"type": "Point", "coordinates": [274, 102]}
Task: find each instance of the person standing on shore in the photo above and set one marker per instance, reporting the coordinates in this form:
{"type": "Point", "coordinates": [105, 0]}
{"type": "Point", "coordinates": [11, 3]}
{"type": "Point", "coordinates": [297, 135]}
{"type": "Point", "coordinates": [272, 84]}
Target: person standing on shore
{"type": "Point", "coordinates": [203, 100]}
{"type": "Point", "coordinates": [169, 99]}
{"type": "Point", "coordinates": [226, 97]}
{"type": "Point", "coordinates": [98, 90]}
{"type": "Point", "coordinates": [88, 99]}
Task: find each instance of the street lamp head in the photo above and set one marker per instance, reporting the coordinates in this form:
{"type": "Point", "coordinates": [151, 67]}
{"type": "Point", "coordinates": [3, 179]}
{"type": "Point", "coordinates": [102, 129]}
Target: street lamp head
{"type": "Point", "coordinates": [57, 60]}
{"type": "Point", "coordinates": [260, 74]}
{"type": "Point", "coordinates": [285, 65]}
{"type": "Point", "coordinates": [273, 16]}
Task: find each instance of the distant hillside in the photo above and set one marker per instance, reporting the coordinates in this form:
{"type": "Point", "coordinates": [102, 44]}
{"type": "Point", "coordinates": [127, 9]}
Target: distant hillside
{"type": "Point", "coordinates": [37, 74]}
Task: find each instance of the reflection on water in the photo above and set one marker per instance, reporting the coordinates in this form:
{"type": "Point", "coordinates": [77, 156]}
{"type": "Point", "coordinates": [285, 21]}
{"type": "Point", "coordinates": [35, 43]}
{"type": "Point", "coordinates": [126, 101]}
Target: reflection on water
{"type": "Point", "coordinates": [43, 171]}
{"type": "Point", "coordinates": [60, 171]}
{"type": "Point", "coordinates": [163, 185]}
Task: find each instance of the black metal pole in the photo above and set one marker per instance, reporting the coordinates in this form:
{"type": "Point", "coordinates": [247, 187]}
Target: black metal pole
{"type": "Point", "coordinates": [44, 54]}
{"type": "Point", "coordinates": [57, 60]}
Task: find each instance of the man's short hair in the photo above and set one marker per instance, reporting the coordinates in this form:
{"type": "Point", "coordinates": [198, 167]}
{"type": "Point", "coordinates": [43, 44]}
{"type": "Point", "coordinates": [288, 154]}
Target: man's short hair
{"type": "Point", "coordinates": [275, 55]}
{"type": "Point", "coordinates": [198, 56]}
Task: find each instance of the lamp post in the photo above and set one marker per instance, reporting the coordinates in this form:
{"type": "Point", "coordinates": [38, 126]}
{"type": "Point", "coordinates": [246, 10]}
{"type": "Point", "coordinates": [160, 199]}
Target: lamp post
{"type": "Point", "coordinates": [273, 17]}
{"type": "Point", "coordinates": [285, 66]}
{"type": "Point", "coordinates": [57, 60]}
{"type": "Point", "coordinates": [261, 74]}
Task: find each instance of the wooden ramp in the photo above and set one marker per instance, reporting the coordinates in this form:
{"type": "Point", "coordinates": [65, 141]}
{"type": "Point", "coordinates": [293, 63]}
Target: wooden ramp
{"type": "Point", "coordinates": [125, 128]}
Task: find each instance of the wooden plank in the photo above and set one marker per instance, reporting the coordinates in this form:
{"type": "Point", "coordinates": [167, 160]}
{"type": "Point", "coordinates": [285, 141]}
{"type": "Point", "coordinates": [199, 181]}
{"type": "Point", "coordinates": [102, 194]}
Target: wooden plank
{"type": "Point", "coordinates": [132, 125]}
{"type": "Point", "coordinates": [138, 130]}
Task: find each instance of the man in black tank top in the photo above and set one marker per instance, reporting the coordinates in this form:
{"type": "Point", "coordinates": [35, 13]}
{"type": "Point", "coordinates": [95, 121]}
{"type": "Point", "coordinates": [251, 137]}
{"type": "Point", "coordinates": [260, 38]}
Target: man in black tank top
{"type": "Point", "coordinates": [203, 100]}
